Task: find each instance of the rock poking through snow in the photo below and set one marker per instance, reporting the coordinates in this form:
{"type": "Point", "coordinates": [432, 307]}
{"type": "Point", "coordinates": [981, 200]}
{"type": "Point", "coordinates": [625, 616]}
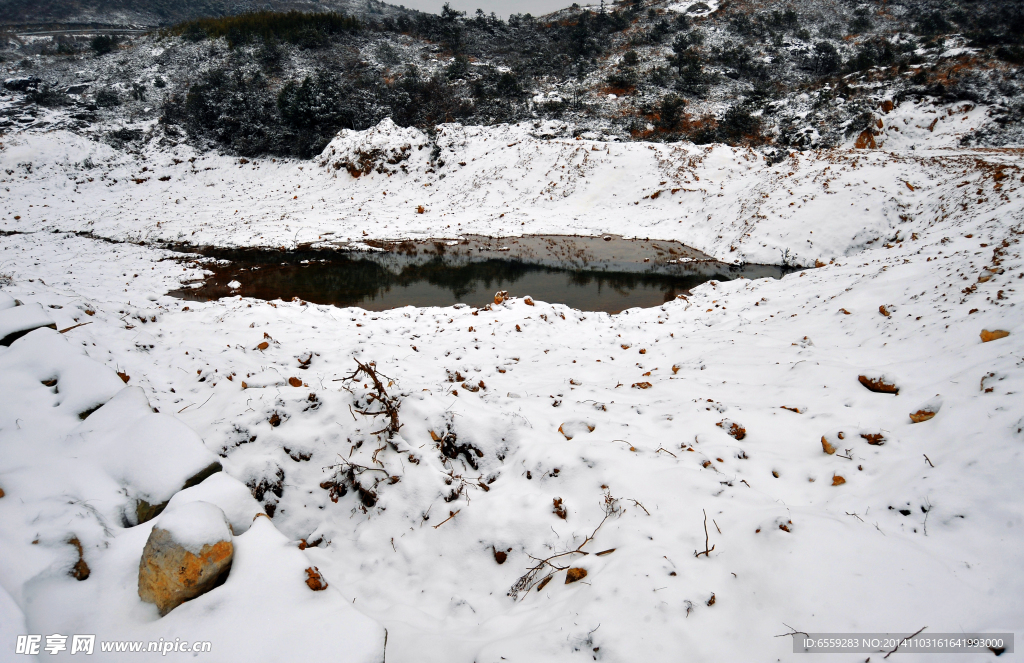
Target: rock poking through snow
{"type": "Point", "coordinates": [17, 321]}
{"type": "Point", "coordinates": [188, 552]}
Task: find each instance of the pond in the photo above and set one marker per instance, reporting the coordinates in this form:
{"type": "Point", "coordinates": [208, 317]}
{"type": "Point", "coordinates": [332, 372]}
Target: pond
{"type": "Point", "coordinates": [607, 273]}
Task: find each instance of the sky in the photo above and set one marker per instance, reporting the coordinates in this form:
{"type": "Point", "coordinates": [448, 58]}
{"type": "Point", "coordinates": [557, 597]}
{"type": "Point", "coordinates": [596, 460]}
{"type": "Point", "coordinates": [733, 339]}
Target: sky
{"type": "Point", "coordinates": [500, 7]}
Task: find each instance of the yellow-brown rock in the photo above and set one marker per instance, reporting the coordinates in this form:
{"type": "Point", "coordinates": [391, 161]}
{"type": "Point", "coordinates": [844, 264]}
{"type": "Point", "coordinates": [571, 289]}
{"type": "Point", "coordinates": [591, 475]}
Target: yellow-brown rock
{"type": "Point", "coordinates": [188, 558]}
{"type": "Point", "coordinates": [921, 415]}
{"type": "Point", "coordinates": [993, 335]}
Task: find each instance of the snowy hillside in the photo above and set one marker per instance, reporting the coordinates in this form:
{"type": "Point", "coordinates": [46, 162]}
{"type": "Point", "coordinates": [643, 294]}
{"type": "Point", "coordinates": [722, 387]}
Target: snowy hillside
{"type": "Point", "coordinates": [508, 180]}
{"type": "Point", "coordinates": [528, 440]}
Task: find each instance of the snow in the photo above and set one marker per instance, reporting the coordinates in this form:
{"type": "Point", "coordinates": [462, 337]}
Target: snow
{"type": "Point", "coordinates": [930, 234]}
{"type": "Point", "coordinates": [522, 179]}
{"type": "Point", "coordinates": [233, 498]}
{"type": "Point", "coordinates": [193, 525]}
{"type": "Point", "coordinates": [70, 483]}
{"type": "Point", "coordinates": [22, 319]}
{"type": "Point", "coordinates": [684, 7]}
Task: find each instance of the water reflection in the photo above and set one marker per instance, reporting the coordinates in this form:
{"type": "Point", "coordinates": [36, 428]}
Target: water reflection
{"type": "Point", "coordinates": [392, 279]}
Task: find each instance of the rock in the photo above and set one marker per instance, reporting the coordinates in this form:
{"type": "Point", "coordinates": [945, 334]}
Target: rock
{"type": "Point", "coordinates": [876, 439]}
{"type": "Point", "coordinates": [145, 511]}
{"type": "Point", "coordinates": [559, 508]}
{"type": "Point", "coordinates": [17, 321]}
{"type": "Point", "coordinates": [986, 335]}
{"type": "Point", "coordinates": [926, 411]}
{"type": "Point", "coordinates": [188, 553]}
{"type": "Point", "coordinates": [571, 429]}
{"type": "Point", "coordinates": [574, 574]}
{"type": "Point", "coordinates": [878, 384]}
{"type": "Point", "coordinates": [865, 141]}
{"type": "Point", "coordinates": [314, 580]}
{"type": "Point", "coordinates": [733, 428]}
{"type": "Point", "coordinates": [80, 571]}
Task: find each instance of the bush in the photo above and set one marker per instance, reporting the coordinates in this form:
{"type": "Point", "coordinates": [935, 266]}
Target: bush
{"type": "Point", "coordinates": [103, 44]}
{"type": "Point", "coordinates": [933, 24]}
{"type": "Point", "coordinates": [126, 135]}
{"type": "Point", "coordinates": [108, 98]}
{"type": "Point", "coordinates": [670, 112]}
{"type": "Point", "coordinates": [861, 21]}
{"type": "Point", "coordinates": [623, 80]}
{"type": "Point", "coordinates": [294, 27]}
{"type": "Point", "coordinates": [739, 126]}
{"type": "Point", "coordinates": [877, 52]}
{"type": "Point", "coordinates": [509, 86]}
{"type": "Point", "coordinates": [690, 63]}
{"type": "Point", "coordinates": [826, 59]}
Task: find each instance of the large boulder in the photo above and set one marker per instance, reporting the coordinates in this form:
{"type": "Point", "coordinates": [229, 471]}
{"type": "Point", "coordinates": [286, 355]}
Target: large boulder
{"type": "Point", "coordinates": [188, 553]}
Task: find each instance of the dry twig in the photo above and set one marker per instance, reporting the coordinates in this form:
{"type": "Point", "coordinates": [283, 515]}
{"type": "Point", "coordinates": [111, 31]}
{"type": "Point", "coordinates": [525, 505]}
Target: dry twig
{"type": "Point", "coordinates": [904, 640]}
{"type": "Point", "coordinates": [529, 580]}
{"type": "Point", "coordinates": [707, 551]}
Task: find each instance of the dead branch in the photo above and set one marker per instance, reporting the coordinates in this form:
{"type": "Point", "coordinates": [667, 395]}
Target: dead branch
{"type": "Point", "coordinates": [388, 404]}
{"type": "Point", "coordinates": [904, 640]}
{"type": "Point", "coordinates": [640, 505]}
{"type": "Point", "coordinates": [80, 324]}
{"type": "Point", "coordinates": [707, 551]}
{"type": "Point", "coordinates": [529, 580]}
{"type": "Point", "coordinates": [346, 466]}
{"type": "Point", "coordinates": [927, 459]}
{"type": "Point", "coordinates": [792, 631]}
{"type": "Point", "coordinates": [451, 514]}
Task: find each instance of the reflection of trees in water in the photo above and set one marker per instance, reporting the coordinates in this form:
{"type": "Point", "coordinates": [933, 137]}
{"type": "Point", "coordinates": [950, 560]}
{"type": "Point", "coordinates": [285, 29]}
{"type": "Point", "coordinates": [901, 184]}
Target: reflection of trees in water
{"type": "Point", "coordinates": [344, 281]}
{"type": "Point", "coordinates": [465, 278]}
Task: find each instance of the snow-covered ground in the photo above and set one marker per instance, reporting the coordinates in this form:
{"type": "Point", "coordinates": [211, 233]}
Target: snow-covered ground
{"type": "Point", "coordinates": [558, 424]}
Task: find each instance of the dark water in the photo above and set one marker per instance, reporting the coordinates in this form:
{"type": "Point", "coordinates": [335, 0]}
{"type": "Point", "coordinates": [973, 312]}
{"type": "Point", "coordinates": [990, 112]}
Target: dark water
{"type": "Point", "coordinates": [438, 274]}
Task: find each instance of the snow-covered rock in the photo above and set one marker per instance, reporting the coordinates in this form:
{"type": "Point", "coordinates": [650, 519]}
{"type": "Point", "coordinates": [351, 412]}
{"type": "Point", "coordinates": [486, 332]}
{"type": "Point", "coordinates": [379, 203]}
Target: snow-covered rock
{"type": "Point", "coordinates": [384, 149]}
{"type": "Point", "coordinates": [17, 321]}
{"type": "Point", "coordinates": [186, 555]}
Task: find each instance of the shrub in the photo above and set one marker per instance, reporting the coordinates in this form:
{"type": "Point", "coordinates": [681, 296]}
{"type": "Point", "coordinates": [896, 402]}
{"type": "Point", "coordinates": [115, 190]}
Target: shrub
{"type": "Point", "coordinates": [739, 126]}
{"type": "Point", "coordinates": [508, 86]}
{"type": "Point", "coordinates": [861, 21]}
{"type": "Point", "coordinates": [103, 44]}
{"type": "Point", "coordinates": [670, 112]}
{"type": "Point", "coordinates": [294, 27]}
{"type": "Point", "coordinates": [108, 98]}
{"type": "Point", "coordinates": [126, 135]}
{"type": "Point", "coordinates": [933, 24]}
{"type": "Point", "coordinates": [826, 59]}
{"type": "Point", "coordinates": [872, 54]}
